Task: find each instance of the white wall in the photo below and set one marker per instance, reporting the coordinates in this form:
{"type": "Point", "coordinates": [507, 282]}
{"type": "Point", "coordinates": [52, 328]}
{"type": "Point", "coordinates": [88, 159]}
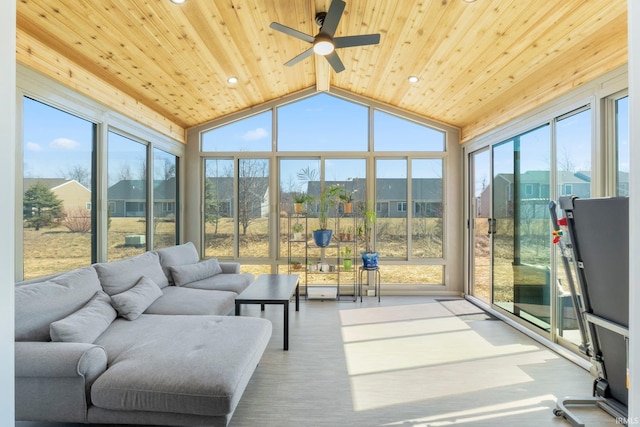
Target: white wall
{"type": "Point", "coordinates": [634, 209]}
{"type": "Point", "coordinates": [7, 200]}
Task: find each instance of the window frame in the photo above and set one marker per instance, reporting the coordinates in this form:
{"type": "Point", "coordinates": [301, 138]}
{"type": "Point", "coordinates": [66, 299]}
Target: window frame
{"type": "Point", "coordinates": [47, 91]}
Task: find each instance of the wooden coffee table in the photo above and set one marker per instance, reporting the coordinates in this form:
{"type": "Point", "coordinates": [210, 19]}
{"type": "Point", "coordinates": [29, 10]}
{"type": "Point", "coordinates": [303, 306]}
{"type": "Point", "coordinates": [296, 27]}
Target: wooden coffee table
{"type": "Point", "coordinates": [272, 289]}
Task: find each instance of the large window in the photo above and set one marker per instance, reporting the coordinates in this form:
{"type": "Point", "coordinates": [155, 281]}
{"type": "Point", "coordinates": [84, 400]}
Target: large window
{"type": "Point", "coordinates": [219, 199]}
{"type": "Point", "coordinates": [127, 193]}
{"type": "Point", "coordinates": [241, 230]}
{"type": "Point", "coordinates": [88, 190]}
{"type": "Point", "coordinates": [249, 134]}
{"type": "Point", "coordinates": [57, 190]}
{"type": "Point", "coordinates": [322, 123]}
{"type": "Point", "coordinates": [393, 133]}
{"type": "Point", "coordinates": [622, 146]}
{"type": "Point", "coordinates": [573, 152]}
{"type": "Point", "coordinates": [165, 199]}
{"type": "Point", "coordinates": [426, 196]}
{"type": "Point", "coordinates": [391, 191]}
{"type": "Point", "coordinates": [253, 208]}
{"type": "Point", "coordinates": [324, 142]}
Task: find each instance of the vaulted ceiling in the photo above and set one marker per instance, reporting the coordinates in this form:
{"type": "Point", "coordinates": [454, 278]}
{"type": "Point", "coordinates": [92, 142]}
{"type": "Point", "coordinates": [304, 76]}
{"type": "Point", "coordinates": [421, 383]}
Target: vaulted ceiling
{"type": "Point", "coordinates": [480, 64]}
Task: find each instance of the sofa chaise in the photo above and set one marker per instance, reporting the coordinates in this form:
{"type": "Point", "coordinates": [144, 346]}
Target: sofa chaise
{"type": "Point", "coordinates": [144, 340]}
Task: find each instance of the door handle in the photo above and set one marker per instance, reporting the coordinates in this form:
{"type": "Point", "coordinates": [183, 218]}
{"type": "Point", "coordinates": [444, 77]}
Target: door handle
{"type": "Point", "coordinates": [492, 226]}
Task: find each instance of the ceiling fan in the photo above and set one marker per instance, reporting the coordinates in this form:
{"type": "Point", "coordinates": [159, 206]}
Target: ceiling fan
{"type": "Point", "coordinates": [324, 43]}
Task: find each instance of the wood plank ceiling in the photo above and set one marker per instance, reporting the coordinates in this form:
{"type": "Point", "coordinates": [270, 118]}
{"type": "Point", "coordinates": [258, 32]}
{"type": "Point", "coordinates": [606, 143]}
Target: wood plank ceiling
{"type": "Point", "coordinates": [480, 64]}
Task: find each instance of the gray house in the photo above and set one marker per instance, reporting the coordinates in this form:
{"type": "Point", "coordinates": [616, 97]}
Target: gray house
{"type": "Point", "coordinates": [534, 192]}
{"type": "Point", "coordinates": [127, 198]}
{"type": "Point", "coordinates": [391, 196]}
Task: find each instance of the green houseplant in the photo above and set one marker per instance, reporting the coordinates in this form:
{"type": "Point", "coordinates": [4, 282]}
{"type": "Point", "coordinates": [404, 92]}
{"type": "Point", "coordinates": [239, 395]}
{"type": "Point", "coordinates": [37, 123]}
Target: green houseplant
{"type": "Point", "coordinates": [329, 198]}
{"type": "Point", "coordinates": [347, 262]}
{"type": "Point", "coordinates": [299, 199]}
{"type": "Point", "coordinates": [366, 230]}
{"type": "Point", "coordinates": [297, 230]}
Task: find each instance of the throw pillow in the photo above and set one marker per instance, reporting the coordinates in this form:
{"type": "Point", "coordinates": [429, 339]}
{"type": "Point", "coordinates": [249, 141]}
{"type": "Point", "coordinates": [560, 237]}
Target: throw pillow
{"type": "Point", "coordinates": [86, 324]}
{"type": "Point", "coordinates": [183, 274]}
{"type": "Point", "coordinates": [130, 304]}
{"type": "Point", "coordinates": [177, 255]}
{"type": "Point", "coordinates": [119, 276]}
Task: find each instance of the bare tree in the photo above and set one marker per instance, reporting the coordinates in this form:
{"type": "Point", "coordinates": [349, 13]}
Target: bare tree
{"type": "Point", "coordinates": [565, 163]}
{"type": "Point", "coordinates": [253, 184]}
{"type": "Point", "coordinates": [125, 172]}
{"type": "Point", "coordinates": [78, 173]}
{"type": "Point", "coordinates": [215, 195]}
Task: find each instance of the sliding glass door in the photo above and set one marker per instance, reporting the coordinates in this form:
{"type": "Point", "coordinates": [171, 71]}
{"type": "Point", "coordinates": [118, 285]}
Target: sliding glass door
{"type": "Point", "coordinates": [520, 227]}
{"type": "Point", "coordinates": [479, 216]}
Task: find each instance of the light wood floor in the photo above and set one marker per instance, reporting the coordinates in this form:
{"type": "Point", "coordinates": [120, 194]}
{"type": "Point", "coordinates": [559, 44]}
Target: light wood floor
{"type": "Point", "coordinates": [407, 361]}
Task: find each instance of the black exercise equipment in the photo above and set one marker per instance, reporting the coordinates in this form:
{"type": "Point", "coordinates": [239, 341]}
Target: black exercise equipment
{"type": "Point", "coordinates": [598, 232]}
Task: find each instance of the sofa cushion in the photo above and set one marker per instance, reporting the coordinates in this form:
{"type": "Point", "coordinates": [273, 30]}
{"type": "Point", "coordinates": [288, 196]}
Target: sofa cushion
{"type": "Point", "coordinates": [177, 255]}
{"type": "Point", "coordinates": [183, 274]}
{"type": "Point", "coordinates": [204, 375]}
{"type": "Point", "coordinates": [224, 282]}
{"type": "Point", "coordinates": [39, 304]}
{"type": "Point", "coordinates": [178, 300]}
{"type": "Point", "coordinates": [86, 324]}
{"type": "Point", "coordinates": [119, 276]}
{"type": "Point", "coordinates": [133, 302]}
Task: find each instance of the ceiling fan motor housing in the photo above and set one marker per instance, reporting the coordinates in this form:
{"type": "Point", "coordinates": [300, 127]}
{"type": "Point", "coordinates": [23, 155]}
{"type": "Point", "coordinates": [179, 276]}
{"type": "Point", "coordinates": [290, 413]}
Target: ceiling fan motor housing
{"type": "Point", "coordinates": [320, 18]}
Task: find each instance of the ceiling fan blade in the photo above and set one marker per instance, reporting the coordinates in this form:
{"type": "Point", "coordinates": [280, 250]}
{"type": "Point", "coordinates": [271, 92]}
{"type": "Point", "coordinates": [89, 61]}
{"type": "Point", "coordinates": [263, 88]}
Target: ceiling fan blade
{"type": "Point", "coordinates": [307, 53]}
{"type": "Point", "coordinates": [332, 19]}
{"type": "Point", "coordinates": [350, 41]}
{"type": "Point", "coordinates": [291, 32]}
{"type": "Point", "coordinates": [335, 62]}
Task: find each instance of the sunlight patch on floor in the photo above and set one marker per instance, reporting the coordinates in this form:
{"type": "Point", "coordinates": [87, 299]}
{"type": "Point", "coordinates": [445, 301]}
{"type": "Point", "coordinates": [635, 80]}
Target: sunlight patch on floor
{"type": "Point", "coordinates": [394, 313]}
{"type": "Point", "coordinates": [408, 328]}
{"type": "Point", "coordinates": [484, 413]}
{"type": "Point", "coordinates": [429, 349]}
{"type": "Point", "coordinates": [402, 354]}
{"type": "Point", "coordinates": [378, 390]}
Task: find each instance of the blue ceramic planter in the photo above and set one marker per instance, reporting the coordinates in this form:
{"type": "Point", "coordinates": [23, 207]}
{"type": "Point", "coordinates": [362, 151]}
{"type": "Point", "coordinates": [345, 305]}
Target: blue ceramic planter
{"type": "Point", "coordinates": [369, 260]}
{"type": "Point", "coordinates": [322, 237]}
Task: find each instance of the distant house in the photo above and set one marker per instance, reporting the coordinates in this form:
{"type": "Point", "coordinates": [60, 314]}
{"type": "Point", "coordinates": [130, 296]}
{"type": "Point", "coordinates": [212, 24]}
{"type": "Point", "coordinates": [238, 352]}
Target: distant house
{"type": "Point", "coordinates": [127, 198]}
{"type": "Point", "coordinates": [72, 194]}
{"type": "Point", "coordinates": [391, 196]}
{"type": "Point", "coordinates": [534, 192]}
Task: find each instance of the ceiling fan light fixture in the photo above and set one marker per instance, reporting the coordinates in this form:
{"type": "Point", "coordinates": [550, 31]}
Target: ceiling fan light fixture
{"type": "Point", "coordinates": [323, 45]}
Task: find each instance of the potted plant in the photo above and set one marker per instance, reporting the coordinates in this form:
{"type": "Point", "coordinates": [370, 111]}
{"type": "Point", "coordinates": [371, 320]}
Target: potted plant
{"type": "Point", "coordinates": [366, 230]}
{"type": "Point", "coordinates": [347, 202]}
{"type": "Point", "coordinates": [322, 236]}
{"type": "Point", "coordinates": [299, 199]}
{"type": "Point", "coordinates": [347, 262]}
{"type": "Point", "coordinates": [349, 234]}
{"type": "Point", "coordinates": [343, 235]}
{"type": "Point", "coordinates": [297, 229]}
{"type": "Point", "coordinates": [347, 195]}
{"type": "Point", "coordinates": [295, 264]}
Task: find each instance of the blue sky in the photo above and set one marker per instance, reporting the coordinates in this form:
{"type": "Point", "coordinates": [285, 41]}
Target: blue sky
{"type": "Point", "coordinates": [54, 141]}
{"type": "Point", "coordinates": [323, 123]}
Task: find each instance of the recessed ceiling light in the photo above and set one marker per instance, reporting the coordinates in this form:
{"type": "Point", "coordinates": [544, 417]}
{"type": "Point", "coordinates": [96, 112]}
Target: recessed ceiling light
{"type": "Point", "coordinates": [469, 1]}
{"type": "Point", "coordinates": [232, 80]}
{"type": "Point", "coordinates": [177, 1]}
{"type": "Point", "coordinates": [413, 79]}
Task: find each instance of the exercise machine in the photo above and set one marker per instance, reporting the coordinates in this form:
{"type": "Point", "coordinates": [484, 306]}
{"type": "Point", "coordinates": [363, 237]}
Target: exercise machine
{"type": "Point", "coordinates": [598, 247]}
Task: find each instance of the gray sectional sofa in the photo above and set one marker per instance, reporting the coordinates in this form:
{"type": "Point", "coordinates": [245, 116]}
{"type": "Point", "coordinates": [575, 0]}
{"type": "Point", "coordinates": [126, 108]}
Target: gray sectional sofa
{"type": "Point", "coordinates": [145, 340]}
